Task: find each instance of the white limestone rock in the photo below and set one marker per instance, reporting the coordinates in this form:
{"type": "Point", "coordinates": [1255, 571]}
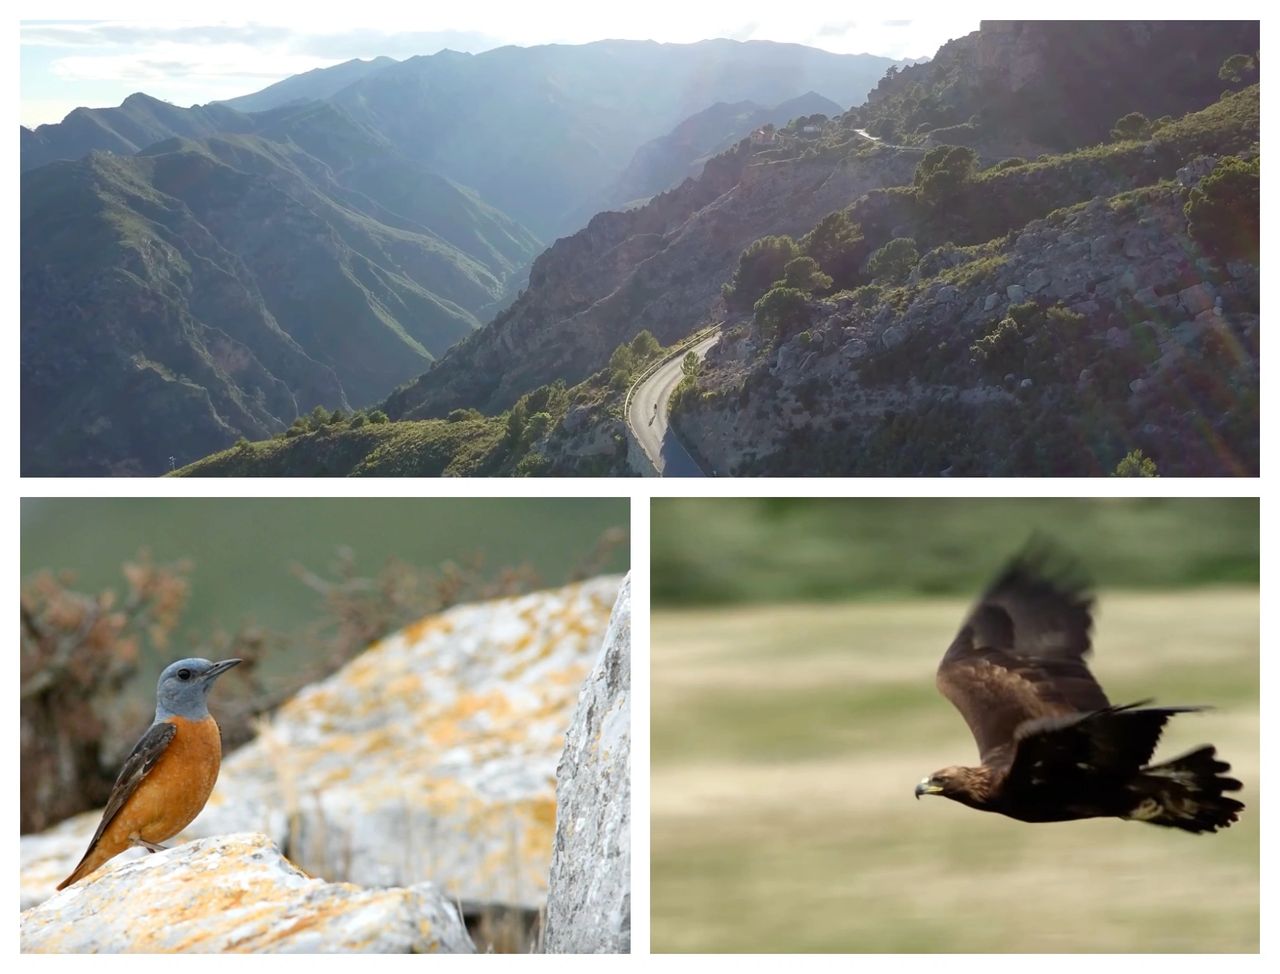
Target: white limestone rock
{"type": "Point", "coordinates": [589, 900]}
{"type": "Point", "coordinates": [237, 893]}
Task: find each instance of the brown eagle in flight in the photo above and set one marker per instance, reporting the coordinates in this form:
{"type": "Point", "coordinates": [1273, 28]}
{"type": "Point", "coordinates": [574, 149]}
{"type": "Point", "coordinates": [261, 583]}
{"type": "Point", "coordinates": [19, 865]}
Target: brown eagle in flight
{"type": "Point", "coordinates": [1052, 747]}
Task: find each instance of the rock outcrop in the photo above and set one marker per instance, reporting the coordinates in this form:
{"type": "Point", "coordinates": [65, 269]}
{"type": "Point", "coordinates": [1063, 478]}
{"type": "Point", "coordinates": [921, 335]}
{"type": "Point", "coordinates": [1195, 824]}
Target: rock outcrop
{"type": "Point", "coordinates": [237, 894]}
{"type": "Point", "coordinates": [589, 899]}
{"type": "Point", "coordinates": [1026, 87]}
{"type": "Point", "coordinates": [431, 756]}
{"type": "Point", "coordinates": [897, 386]}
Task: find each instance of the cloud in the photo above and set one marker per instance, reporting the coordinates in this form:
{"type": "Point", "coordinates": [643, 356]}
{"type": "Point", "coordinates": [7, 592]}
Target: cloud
{"type": "Point", "coordinates": [109, 34]}
{"type": "Point", "coordinates": [162, 64]}
{"type": "Point", "coordinates": [836, 30]}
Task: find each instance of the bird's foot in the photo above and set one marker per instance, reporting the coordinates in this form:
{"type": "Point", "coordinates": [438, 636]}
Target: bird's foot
{"type": "Point", "coordinates": [150, 846]}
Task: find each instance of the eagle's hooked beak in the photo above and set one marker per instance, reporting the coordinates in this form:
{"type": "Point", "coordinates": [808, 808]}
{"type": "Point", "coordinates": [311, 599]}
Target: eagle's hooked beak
{"type": "Point", "coordinates": [927, 787]}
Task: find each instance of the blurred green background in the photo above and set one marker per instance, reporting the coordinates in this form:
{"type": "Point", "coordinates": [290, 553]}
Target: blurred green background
{"type": "Point", "coordinates": [242, 549]}
{"type": "Point", "coordinates": [784, 549]}
{"type": "Point", "coordinates": [794, 645]}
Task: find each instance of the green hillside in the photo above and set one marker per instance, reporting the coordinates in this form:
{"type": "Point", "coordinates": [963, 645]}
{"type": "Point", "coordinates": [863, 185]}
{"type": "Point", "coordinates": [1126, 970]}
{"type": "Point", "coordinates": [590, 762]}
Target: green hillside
{"type": "Point", "coordinates": [205, 290]}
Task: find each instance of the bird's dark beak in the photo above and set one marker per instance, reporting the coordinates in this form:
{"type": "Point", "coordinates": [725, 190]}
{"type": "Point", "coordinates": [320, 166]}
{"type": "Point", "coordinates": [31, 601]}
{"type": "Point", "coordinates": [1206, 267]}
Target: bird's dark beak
{"type": "Point", "coordinates": [927, 787]}
{"type": "Point", "coordinates": [217, 669]}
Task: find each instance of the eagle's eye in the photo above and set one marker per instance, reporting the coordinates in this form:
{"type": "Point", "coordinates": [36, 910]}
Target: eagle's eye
{"type": "Point", "coordinates": [184, 674]}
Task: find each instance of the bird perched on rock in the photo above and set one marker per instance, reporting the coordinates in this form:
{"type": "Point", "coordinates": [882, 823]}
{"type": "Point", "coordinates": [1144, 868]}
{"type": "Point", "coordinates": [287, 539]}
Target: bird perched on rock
{"type": "Point", "coordinates": [1052, 747]}
{"type": "Point", "coordinates": [170, 773]}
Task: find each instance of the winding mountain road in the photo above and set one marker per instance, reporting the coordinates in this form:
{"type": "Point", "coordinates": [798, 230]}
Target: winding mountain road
{"type": "Point", "coordinates": [649, 412]}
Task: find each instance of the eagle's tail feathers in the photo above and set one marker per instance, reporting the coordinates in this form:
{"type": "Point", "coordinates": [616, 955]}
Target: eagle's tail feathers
{"type": "Point", "coordinates": [1187, 793]}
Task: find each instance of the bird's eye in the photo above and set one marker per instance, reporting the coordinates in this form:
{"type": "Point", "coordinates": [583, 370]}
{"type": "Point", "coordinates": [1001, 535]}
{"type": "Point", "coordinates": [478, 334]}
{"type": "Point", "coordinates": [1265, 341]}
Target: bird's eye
{"type": "Point", "coordinates": [184, 674]}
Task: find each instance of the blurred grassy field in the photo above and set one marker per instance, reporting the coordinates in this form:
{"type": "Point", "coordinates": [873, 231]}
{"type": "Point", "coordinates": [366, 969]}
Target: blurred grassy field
{"type": "Point", "coordinates": [786, 741]}
{"type": "Point", "coordinates": [728, 550]}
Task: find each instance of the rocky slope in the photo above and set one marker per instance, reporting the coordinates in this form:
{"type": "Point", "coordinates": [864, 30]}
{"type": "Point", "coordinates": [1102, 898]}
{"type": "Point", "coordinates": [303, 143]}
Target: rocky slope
{"type": "Point", "coordinates": [1046, 86]}
{"type": "Point", "coordinates": [1053, 349]}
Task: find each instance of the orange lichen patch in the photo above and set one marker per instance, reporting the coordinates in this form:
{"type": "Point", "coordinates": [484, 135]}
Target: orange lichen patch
{"type": "Point", "coordinates": [526, 852]}
{"type": "Point", "coordinates": [317, 918]}
{"type": "Point", "coordinates": [447, 726]}
{"type": "Point", "coordinates": [334, 775]}
{"type": "Point", "coordinates": [569, 676]}
{"type": "Point", "coordinates": [403, 686]}
{"type": "Point", "coordinates": [538, 834]}
{"type": "Point", "coordinates": [449, 796]}
{"type": "Point", "coordinates": [415, 632]}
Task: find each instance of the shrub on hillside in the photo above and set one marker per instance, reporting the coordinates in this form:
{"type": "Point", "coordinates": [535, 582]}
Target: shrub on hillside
{"type": "Point", "coordinates": [837, 244]}
{"type": "Point", "coordinates": [1135, 125]}
{"type": "Point", "coordinates": [782, 312]}
{"type": "Point", "coordinates": [943, 171]}
{"type": "Point", "coordinates": [804, 274]}
{"type": "Point", "coordinates": [1223, 213]}
{"type": "Point", "coordinates": [894, 261]}
{"type": "Point", "coordinates": [759, 268]}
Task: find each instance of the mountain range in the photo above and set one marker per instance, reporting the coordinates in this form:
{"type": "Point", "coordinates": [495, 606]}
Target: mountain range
{"type": "Point", "coordinates": [992, 266]}
{"type": "Point", "coordinates": [195, 275]}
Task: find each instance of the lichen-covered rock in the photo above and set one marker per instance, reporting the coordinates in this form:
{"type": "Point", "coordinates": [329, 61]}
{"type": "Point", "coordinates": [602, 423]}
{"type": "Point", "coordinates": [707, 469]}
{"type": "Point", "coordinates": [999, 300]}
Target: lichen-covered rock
{"type": "Point", "coordinates": [236, 893]}
{"type": "Point", "coordinates": [429, 757]}
{"type": "Point", "coordinates": [589, 900]}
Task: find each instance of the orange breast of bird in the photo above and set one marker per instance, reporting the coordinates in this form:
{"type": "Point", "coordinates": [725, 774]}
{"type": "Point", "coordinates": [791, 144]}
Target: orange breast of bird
{"type": "Point", "coordinates": [175, 791]}
{"type": "Point", "coordinates": [169, 798]}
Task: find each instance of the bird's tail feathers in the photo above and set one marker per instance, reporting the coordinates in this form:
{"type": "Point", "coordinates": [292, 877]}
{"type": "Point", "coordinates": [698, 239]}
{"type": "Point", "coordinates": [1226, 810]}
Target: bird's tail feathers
{"type": "Point", "coordinates": [1187, 793]}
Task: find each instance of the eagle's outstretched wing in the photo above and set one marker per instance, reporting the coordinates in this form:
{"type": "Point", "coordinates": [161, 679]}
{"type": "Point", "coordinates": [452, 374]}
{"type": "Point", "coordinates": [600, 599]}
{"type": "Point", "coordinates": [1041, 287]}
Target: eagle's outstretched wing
{"type": "Point", "coordinates": [1116, 741]}
{"type": "Point", "coordinates": [1020, 655]}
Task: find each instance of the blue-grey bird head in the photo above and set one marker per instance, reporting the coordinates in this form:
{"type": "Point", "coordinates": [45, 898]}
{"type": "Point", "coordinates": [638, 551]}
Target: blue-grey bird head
{"type": "Point", "coordinates": [183, 690]}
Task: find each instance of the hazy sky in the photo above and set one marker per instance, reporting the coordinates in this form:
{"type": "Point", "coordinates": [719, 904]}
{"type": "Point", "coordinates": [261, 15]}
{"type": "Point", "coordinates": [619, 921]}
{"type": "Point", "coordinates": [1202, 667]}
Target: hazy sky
{"type": "Point", "coordinates": [67, 63]}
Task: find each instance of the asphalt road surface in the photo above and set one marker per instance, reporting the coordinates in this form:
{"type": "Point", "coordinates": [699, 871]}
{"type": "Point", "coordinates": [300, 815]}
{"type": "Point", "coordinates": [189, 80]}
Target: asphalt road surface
{"type": "Point", "coordinates": [649, 413]}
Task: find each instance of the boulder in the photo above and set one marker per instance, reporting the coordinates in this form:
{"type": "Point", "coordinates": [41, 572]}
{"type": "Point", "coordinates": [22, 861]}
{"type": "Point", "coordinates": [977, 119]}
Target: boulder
{"type": "Point", "coordinates": [1016, 293]}
{"type": "Point", "coordinates": [1135, 243]}
{"type": "Point", "coordinates": [1069, 282]}
{"type": "Point", "coordinates": [893, 336]}
{"type": "Point", "coordinates": [1118, 337]}
{"type": "Point", "coordinates": [576, 418]}
{"type": "Point", "coordinates": [947, 294]}
{"type": "Point", "coordinates": [1195, 170]}
{"type": "Point", "coordinates": [992, 300]}
{"type": "Point", "coordinates": [589, 897]}
{"type": "Point", "coordinates": [1102, 245]}
{"type": "Point", "coordinates": [1197, 298]}
{"type": "Point", "coordinates": [237, 893]}
{"type": "Point", "coordinates": [431, 756]}
{"type": "Point", "coordinates": [1037, 280]}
